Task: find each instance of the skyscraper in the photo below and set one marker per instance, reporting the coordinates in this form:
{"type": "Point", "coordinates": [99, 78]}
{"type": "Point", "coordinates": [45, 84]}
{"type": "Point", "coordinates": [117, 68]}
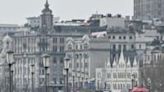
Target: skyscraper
{"type": "Point", "coordinates": [148, 9]}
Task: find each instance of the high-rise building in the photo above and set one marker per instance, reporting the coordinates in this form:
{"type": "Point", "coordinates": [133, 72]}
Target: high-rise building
{"type": "Point", "coordinates": [148, 9]}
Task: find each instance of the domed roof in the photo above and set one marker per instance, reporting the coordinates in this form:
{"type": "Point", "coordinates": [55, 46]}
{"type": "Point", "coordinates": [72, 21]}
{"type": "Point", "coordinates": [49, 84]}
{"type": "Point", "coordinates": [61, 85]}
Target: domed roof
{"type": "Point", "coordinates": [7, 38]}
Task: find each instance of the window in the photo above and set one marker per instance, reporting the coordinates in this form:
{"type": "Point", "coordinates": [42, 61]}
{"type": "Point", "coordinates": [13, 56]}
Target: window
{"type": "Point", "coordinates": [124, 47]}
{"type": "Point", "coordinates": [109, 37]}
{"type": "Point", "coordinates": [119, 37]}
{"type": "Point", "coordinates": [61, 81]}
{"type": "Point", "coordinates": [86, 65]}
{"type": "Point", "coordinates": [114, 47]}
{"type": "Point", "coordinates": [81, 47]}
{"type": "Point", "coordinates": [54, 60]}
{"type": "Point", "coordinates": [124, 37]}
{"type": "Point", "coordinates": [140, 46]}
{"type": "Point", "coordinates": [54, 79]}
{"type": "Point", "coordinates": [55, 48]}
{"type": "Point", "coordinates": [77, 56]}
{"type": "Point", "coordinates": [132, 46]}
{"type": "Point", "coordinates": [61, 60]}
{"type": "Point", "coordinates": [61, 40]}
{"type": "Point", "coordinates": [113, 37]}
{"type": "Point", "coordinates": [69, 47]}
{"type": "Point", "coordinates": [119, 47]}
{"type": "Point", "coordinates": [54, 40]}
{"type": "Point", "coordinates": [62, 49]}
{"type": "Point", "coordinates": [77, 65]}
{"type": "Point", "coordinates": [76, 47]}
{"type": "Point", "coordinates": [130, 37]}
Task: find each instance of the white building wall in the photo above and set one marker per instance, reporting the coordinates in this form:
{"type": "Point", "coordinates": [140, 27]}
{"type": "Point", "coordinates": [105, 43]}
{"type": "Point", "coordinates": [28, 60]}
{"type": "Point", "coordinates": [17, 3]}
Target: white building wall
{"type": "Point", "coordinates": [112, 22]}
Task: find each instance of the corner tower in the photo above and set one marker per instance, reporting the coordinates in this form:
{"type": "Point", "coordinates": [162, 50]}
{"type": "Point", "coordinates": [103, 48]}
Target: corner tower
{"type": "Point", "coordinates": [46, 18]}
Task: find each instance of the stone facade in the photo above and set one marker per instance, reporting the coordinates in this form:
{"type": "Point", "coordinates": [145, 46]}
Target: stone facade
{"type": "Point", "coordinates": [86, 54]}
{"type": "Point", "coordinates": [117, 76]}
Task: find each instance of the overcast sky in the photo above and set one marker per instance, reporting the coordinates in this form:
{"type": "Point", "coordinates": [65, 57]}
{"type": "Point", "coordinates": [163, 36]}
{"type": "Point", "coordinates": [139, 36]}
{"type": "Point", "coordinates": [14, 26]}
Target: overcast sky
{"type": "Point", "coordinates": [16, 11]}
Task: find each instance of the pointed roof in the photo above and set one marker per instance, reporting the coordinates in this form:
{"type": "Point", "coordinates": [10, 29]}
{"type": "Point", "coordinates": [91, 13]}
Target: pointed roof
{"type": "Point", "coordinates": [7, 38]}
{"type": "Point", "coordinates": [108, 63]}
{"type": "Point", "coordinates": [135, 62]}
{"type": "Point", "coordinates": [122, 59]}
{"type": "Point", "coordinates": [46, 4]}
{"type": "Point", "coordinates": [46, 9]}
{"type": "Point", "coordinates": [114, 63]}
{"type": "Point", "coordinates": [128, 62]}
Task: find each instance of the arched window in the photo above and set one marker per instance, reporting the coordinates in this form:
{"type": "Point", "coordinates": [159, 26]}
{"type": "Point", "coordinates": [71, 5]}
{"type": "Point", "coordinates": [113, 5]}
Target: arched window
{"type": "Point", "coordinates": [70, 47]}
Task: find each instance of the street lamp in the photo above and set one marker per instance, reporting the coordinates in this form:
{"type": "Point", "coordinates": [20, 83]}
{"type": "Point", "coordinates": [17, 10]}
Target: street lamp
{"type": "Point", "coordinates": [32, 76]}
{"type": "Point", "coordinates": [73, 81]}
{"type": "Point", "coordinates": [133, 80]}
{"type": "Point", "coordinates": [10, 62]}
{"type": "Point", "coordinates": [149, 83]}
{"type": "Point", "coordinates": [66, 66]}
{"type": "Point", "coordinates": [46, 61]}
{"type": "Point", "coordinates": [12, 75]}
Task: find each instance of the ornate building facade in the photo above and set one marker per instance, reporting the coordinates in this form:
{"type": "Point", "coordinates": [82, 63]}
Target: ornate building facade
{"type": "Point", "coordinates": [118, 75]}
{"type": "Point", "coordinates": [29, 47]}
{"type": "Point", "coordinates": [86, 54]}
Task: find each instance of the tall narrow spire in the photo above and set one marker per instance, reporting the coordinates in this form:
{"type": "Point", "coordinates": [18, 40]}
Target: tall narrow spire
{"type": "Point", "coordinates": [128, 62]}
{"type": "Point", "coordinates": [135, 62]}
{"type": "Point", "coordinates": [46, 18]}
{"type": "Point", "coordinates": [121, 58]}
{"type": "Point", "coordinates": [46, 5]}
{"type": "Point", "coordinates": [108, 63]}
{"type": "Point", "coordinates": [114, 63]}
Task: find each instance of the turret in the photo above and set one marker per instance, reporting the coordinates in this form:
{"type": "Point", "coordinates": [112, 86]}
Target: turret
{"type": "Point", "coordinates": [128, 63]}
{"type": "Point", "coordinates": [108, 63]}
{"type": "Point", "coordinates": [46, 18]}
{"type": "Point", "coordinates": [114, 63]}
{"type": "Point", "coordinates": [135, 64]}
{"type": "Point", "coordinates": [122, 59]}
{"type": "Point", "coordinates": [7, 42]}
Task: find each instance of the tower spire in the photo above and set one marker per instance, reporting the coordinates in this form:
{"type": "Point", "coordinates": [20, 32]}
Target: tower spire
{"type": "Point", "coordinates": [46, 5]}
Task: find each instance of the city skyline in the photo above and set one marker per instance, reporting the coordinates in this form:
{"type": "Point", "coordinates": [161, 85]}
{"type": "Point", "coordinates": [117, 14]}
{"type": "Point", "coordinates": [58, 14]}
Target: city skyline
{"type": "Point", "coordinates": [19, 10]}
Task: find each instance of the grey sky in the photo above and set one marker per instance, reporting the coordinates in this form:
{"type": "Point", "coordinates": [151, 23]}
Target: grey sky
{"type": "Point", "coordinates": [15, 11]}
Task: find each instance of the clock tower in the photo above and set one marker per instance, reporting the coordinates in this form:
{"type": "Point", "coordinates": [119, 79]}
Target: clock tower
{"type": "Point", "coordinates": [46, 18]}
